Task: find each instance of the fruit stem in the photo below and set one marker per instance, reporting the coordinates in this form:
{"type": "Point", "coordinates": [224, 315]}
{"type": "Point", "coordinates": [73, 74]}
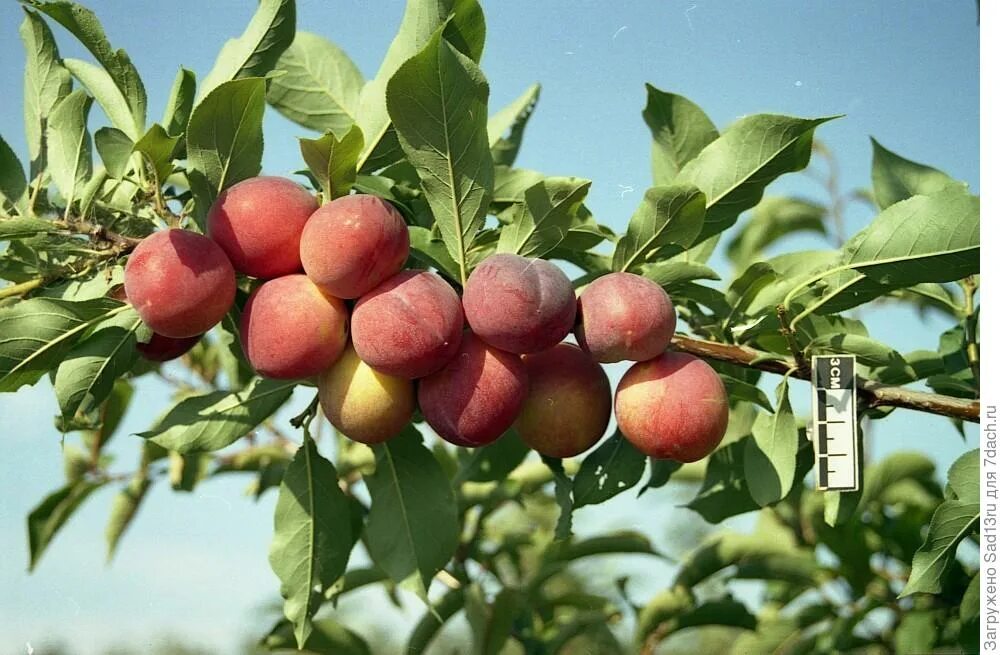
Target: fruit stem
{"type": "Point", "coordinates": [307, 415]}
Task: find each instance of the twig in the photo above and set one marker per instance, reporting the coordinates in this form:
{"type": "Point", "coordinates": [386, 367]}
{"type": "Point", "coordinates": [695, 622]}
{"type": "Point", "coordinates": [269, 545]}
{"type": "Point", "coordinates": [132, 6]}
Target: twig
{"type": "Point", "coordinates": [875, 394]}
{"type": "Point", "coordinates": [969, 311]}
{"type": "Point", "coordinates": [22, 288]}
{"type": "Point", "coordinates": [100, 233]}
{"type": "Point", "coordinates": [789, 334]}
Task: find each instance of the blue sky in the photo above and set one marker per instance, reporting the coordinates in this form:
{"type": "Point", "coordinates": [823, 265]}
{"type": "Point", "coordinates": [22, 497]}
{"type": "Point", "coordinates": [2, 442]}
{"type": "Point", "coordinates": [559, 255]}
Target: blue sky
{"type": "Point", "coordinates": [904, 72]}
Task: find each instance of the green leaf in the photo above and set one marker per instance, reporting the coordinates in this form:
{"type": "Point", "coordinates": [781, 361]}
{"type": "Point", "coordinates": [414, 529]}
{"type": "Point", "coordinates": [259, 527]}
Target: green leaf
{"type": "Point", "coordinates": [112, 414]}
{"type": "Point", "coordinates": [13, 185]}
{"type": "Point", "coordinates": [867, 350]}
{"type": "Point", "coordinates": [312, 535]}
{"type": "Point", "coordinates": [775, 217]}
{"type": "Point", "coordinates": [69, 144]}
{"type": "Point", "coordinates": [492, 623]}
{"type": "Point", "coordinates": [87, 375]}
{"type": "Point", "coordinates": [100, 85]}
{"type": "Point", "coordinates": [38, 333]}
{"type": "Point", "coordinates": [432, 251]}
{"type": "Point", "coordinates": [611, 543]}
{"type": "Point", "coordinates": [232, 359]}
{"type": "Point", "coordinates": [775, 634]}
{"type": "Point", "coordinates": [564, 498]}
{"type": "Point", "coordinates": [610, 469]}
{"type": "Point", "coordinates": [743, 390]}
{"type": "Point", "coordinates": [124, 508]}
{"type": "Point", "coordinates": [660, 472]}
{"type": "Point", "coordinates": [932, 295]}
{"type": "Point", "coordinates": [728, 548]}
{"type": "Point", "coordinates": [466, 30]}
{"type": "Point", "coordinates": [115, 149]}
{"type": "Point", "coordinates": [725, 491]}
{"type": "Point", "coordinates": [668, 221]}
{"type": "Point", "coordinates": [180, 102]}
{"type": "Point", "coordinates": [186, 471]}
{"type": "Point", "coordinates": [791, 268]}
{"type": "Point", "coordinates": [680, 130]}
{"type": "Point", "coordinates": [734, 169]}
{"type": "Point", "coordinates": [506, 127]}
{"type": "Point", "coordinates": [216, 419]}
{"type": "Point", "coordinates": [583, 236]}
{"type": "Point", "coordinates": [431, 623]}
{"type": "Point", "coordinates": [333, 160]}
{"type": "Point", "coordinates": [672, 610]}
{"type": "Point", "coordinates": [437, 101]}
{"type": "Point", "coordinates": [769, 457]}
{"type": "Point", "coordinates": [895, 178]}
{"type": "Point", "coordinates": [320, 88]}
{"type": "Point", "coordinates": [510, 184]}
{"type": "Point", "coordinates": [968, 613]}
{"type": "Point", "coordinates": [725, 612]}
{"type": "Point", "coordinates": [225, 139]}
{"type": "Point", "coordinates": [412, 528]}
{"type": "Point", "coordinates": [916, 633]}
{"type": "Point", "coordinates": [49, 516]}
{"type": "Point", "coordinates": [671, 273]}
{"type": "Point", "coordinates": [255, 52]}
{"type": "Point", "coordinates": [84, 25]}
{"type": "Point", "coordinates": [327, 636]}
{"type": "Point", "coordinates": [894, 468]}
{"type": "Point", "coordinates": [46, 82]}
{"type": "Point", "coordinates": [157, 148]}
{"type": "Point", "coordinates": [963, 477]}
{"type": "Point", "coordinates": [747, 286]}
{"type": "Point", "coordinates": [923, 239]}
{"type": "Point", "coordinates": [544, 217]}
{"type": "Point", "coordinates": [953, 520]}
{"type": "Point", "coordinates": [493, 462]}
{"type": "Point", "coordinates": [96, 184]}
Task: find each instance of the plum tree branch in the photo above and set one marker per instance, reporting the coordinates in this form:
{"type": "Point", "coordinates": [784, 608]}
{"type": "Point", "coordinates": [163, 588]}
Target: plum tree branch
{"type": "Point", "coordinates": [115, 245]}
{"type": "Point", "coordinates": [875, 393]}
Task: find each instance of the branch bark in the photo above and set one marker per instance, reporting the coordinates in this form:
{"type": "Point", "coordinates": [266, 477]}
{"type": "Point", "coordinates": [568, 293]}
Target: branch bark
{"type": "Point", "coordinates": [876, 394]}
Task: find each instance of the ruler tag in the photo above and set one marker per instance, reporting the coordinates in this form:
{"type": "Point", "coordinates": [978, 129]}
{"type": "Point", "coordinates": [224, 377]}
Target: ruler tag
{"type": "Point", "coordinates": [835, 422]}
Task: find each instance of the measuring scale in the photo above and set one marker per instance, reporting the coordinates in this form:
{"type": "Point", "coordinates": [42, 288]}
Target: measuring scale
{"type": "Point", "coordinates": [834, 422]}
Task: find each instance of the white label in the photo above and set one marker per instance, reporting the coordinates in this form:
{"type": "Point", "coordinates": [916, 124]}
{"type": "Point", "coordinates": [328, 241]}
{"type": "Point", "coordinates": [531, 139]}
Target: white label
{"type": "Point", "coordinates": [835, 423]}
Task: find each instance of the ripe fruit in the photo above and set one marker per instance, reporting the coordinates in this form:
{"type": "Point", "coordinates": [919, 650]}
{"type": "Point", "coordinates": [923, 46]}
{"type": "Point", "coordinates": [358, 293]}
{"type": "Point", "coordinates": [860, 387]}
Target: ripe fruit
{"type": "Point", "coordinates": [625, 316]}
{"type": "Point", "coordinates": [352, 244]}
{"type": "Point", "coordinates": [180, 283]}
{"type": "Point", "coordinates": [363, 404]}
{"type": "Point", "coordinates": [161, 349]}
{"type": "Point", "coordinates": [477, 396]}
{"type": "Point", "coordinates": [568, 404]}
{"type": "Point", "coordinates": [672, 407]}
{"type": "Point", "coordinates": [409, 326]}
{"type": "Point", "coordinates": [258, 222]}
{"type": "Point", "coordinates": [290, 329]}
{"type": "Point", "coordinates": [519, 305]}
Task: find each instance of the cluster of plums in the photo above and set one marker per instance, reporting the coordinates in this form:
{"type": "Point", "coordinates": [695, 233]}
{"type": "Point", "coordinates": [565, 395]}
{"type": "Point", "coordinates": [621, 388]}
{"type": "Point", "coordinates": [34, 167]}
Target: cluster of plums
{"type": "Point", "coordinates": [337, 270]}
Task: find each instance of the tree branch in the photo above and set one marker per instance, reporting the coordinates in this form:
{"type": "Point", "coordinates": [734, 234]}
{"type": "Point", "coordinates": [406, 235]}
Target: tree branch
{"type": "Point", "coordinates": [116, 245]}
{"type": "Point", "coordinates": [876, 394]}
